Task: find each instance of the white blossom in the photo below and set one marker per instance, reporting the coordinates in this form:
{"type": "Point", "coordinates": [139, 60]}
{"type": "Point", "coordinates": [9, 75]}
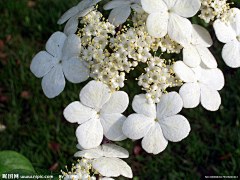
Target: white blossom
{"type": "Point", "coordinates": [60, 58]}
{"type": "Point", "coordinates": [157, 124]}
{"type": "Point", "coordinates": [98, 113]}
{"type": "Point", "coordinates": [106, 160]}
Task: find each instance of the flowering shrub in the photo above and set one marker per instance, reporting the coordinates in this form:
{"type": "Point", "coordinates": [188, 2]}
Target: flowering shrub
{"type": "Point", "coordinates": [104, 49]}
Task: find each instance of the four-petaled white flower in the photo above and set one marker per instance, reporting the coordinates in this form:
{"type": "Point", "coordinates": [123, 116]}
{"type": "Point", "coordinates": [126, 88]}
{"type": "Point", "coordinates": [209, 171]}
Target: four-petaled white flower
{"type": "Point", "coordinates": [99, 112]}
{"type": "Point", "coordinates": [121, 10]}
{"type": "Point", "coordinates": [197, 50]}
{"type": "Point", "coordinates": [74, 13]}
{"type": "Point", "coordinates": [106, 160]}
{"type": "Point", "coordinates": [169, 16]}
{"type": "Point", "coordinates": [60, 58]}
{"type": "Point", "coordinates": [230, 34]}
{"type": "Point", "coordinates": [201, 85]}
{"type": "Point", "coordinates": [157, 124]}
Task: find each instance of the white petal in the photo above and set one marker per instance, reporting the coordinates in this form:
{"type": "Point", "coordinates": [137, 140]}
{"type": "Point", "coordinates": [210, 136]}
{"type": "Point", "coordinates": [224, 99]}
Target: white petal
{"type": "Point", "coordinates": [236, 20]}
{"type": "Point", "coordinates": [231, 53]}
{"type": "Point", "coordinates": [77, 112]}
{"type": "Point", "coordinates": [190, 56]}
{"type": "Point", "coordinates": [223, 32]}
{"type": "Point", "coordinates": [42, 63]}
{"type": "Point", "coordinates": [179, 29]}
{"type": "Point", "coordinates": [210, 98]}
{"type": "Point", "coordinates": [112, 126]}
{"type": "Point", "coordinates": [151, 6]}
{"type": "Point", "coordinates": [154, 142]}
{"type": "Point", "coordinates": [184, 72]}
{"type": "Point", "coordinates": [55, 43]}
{"type": "Point", "coordinates": [137, 125]}
{"type": "Point", "coordinates": [119, 14]}
{"type": "Point", "coordinates": [68, 14]}
{"type": "Point", "coordinates": [90, 134]}
{"type": "Point", "coordinates": [140, 106]}
{"type": "Point", "coordinates": [170, 3]}
{"type": "Point", "coordinates": [95, 94]}
{"type": "Point", "coordinates": [170, 104]}
{"type": "Point", "coordinates": [157, 24]}
{"type": "Point", "coordinates": [112, 150]}
{"type": "Point", "coordinates": [112, 167]}
{"type": "Point", "coordinates": [190, 93]}
{"type": "Point", "coordinates": [114, 4]}
{"type": "Point", "coordinates": [86, 3]}
{"type": "Point", "coordinates": [213, 78]}
{"type": "Point", "coordinates": [107, 178]}
{"type": "Point", "coordinates": [175, 128]}
{"type": "Point", "coordinates": [200, 36]}
{"type": "Point", "coordinates": [73, 72]}
{"type": "Point", "coordinates": [206, 56]}
{"type": "Point", "coordinates": [117, 103]}
{"type": "Point", "coordinates": [53, 83]}
{"type": "Point", "coordinates": [90, 153]}
{"type": "Point", "coordinates": [71, 26]}
{"type": "Point", "coordinates": [71, 47]}
{"type": "Point", "coordinates": [137, 8]}
{"type": "Point", "coordinates": [85, 11]}
{"type": "Point", "coordinates": [186, 8]}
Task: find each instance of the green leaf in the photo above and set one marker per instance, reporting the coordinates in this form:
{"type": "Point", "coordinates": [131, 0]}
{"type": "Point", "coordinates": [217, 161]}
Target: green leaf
{"type": "Point", "coordinates": [10, 160]}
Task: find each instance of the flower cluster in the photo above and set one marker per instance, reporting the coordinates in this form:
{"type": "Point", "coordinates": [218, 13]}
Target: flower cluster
{"type": "Point", "coordinates": [136, 36]}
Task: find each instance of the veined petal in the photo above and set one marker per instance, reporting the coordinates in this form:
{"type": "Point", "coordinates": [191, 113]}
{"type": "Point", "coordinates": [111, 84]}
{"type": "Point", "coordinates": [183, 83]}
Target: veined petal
{"type": "Point", "coordinates": [190, 56]}
{"type": "Point", "coordinates": [84, 11]}
{"type": "Point", "coordinates": [53, 82]}
{"type": "Point", "coordinates": [213, 78]}
{"type": "Point", "coordinates": [184, 72]}
{"type": "Point", "coordinates": [179, 29]}
{"type": "Point", "coordinates": [112, 150]}
{"type": "Point", "coordinates": [170, 104]}
{"type": "Point", "coordinates": [117, 103]}
{"type": "Point", "coordinates": [210, 98]}
{"type": "Point", "coordinates": [200, 36]}
{"type": "Point", "coordinates": [116, 3]}
{"type": "Point", "coordinates": [112, 167]}
{"type": "Point", "coordinates": [190, 93]}
{"type": "Point", "coordinates": [137, 8]}
{"type": "Point", "coordinates": [71, 47]}
{"type": "Point", "coordinates": [55, 43]}
{"type": "Point", "coordinates": [112, 126]}
{"type": "Point", "coordinates": [206, 56]}
{"type": "Point", "coordinates": [42, 63]}
{"type": "Point", "coordinates": [157, 24]}
{"type": "Point", "coordinates": [77, 112]}
{"type": "Point", "coordinates": [223, 32]}
{"type": "Point", "coordinates": [154, 141]}
{"type": "Point", "coordinates": [75, 71]}
{"type": "Point", "coordinates": [90, 153]}
{"type": "Point", "coordinates": [231, 53]}
{"type": "Point", "coordinates": [119, 14]}
{"type": "Point", "coordinates": [95, 94]}
{"type": "Point", "coordinates": [90, 133]}
{"type": "Point", "coordinates": [68, 14]}
{"type": "Point", "coordinates": [152, 6]}
{"type": "Point", "coordinates": [175, 128]}
{"type": "Point", "coordinates": [170, 3]}
{"type": "Point", "coordinates": [86, 3]}
{"type": "Point", "coordinates": [140, 106]}
{"type": "Point", "coordinates": [71, 26]}
{"type": "Point", "coordinates": [186, 8]}
{"type": "Point", "coordinates": [137, 125]}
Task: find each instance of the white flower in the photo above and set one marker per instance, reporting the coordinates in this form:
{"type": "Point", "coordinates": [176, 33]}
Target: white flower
{"type": "Point", "coordinates": [121, 10]}
{"type": "Point", "coordinates": [169, 16]}
{"type": "Point", "coordinates": [74, 13]}
{"type": "Point", "coordinates": [60, 58]}
{"type": "Point", "coordinates": [201, 85]}
{"type": "Point", "coordinates": [157, 124]}
{"type": "Point", "coordinates": [197, 50]}
{"type": "Point", "coordinates": [98, 113]}
{"type": "Point", "coordinates": [106, 160]}
{"type": "Point", "coordinates": [230, 34]}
